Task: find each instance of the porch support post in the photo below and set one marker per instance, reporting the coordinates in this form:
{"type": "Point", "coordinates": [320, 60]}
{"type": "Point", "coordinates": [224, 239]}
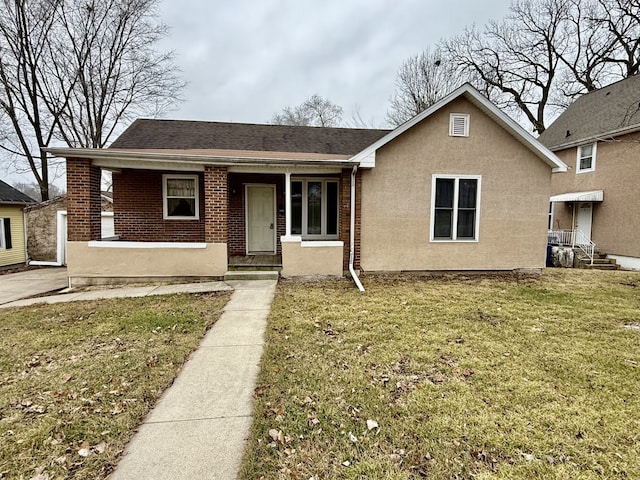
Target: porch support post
{"type": "Point", "coordinates": [287, 203]}
{"type": "Point", "coordinates": [215, 204]}
{"type": "Point", "coordinates": [83, 200]}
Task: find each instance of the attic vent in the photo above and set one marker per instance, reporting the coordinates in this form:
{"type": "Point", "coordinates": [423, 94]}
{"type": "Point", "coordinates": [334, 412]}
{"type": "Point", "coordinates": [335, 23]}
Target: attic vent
{"type": "Point", "coordinates": [459, 125]}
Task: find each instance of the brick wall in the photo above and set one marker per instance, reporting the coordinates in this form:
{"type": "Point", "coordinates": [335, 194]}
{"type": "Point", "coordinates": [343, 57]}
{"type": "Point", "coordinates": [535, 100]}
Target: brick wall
{"type": "Point", "coordinates": [83, 197]}
{"type": "Point", "coordinates": [138, 209]}
{"type": "Point", "coordinates": [215, 204]}
{"type": "Point", "coordinates": [237, 234]}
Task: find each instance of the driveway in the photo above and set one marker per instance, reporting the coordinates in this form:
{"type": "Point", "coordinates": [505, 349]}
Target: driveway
{"type": "Point", "coordinates": [14, 286]}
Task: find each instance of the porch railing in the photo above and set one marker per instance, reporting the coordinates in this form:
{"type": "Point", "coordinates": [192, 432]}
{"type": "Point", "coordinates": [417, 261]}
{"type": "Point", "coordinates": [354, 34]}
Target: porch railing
{"type": "Point", "coordinates": [575, 239]}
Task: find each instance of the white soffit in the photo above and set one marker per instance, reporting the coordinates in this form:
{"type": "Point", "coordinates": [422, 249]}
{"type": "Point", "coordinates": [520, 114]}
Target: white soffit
{"type": "Point", "coordinates": [593, 196]}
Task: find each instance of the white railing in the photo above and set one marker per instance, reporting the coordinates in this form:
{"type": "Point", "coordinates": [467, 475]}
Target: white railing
{"type": "Point", "coordinates": [574, 238]}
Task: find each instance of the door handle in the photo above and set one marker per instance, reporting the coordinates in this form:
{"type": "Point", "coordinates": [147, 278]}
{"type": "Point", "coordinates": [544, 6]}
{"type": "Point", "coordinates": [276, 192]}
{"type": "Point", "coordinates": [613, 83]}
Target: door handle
{"type": "Point", "coordinates": [271, 226]}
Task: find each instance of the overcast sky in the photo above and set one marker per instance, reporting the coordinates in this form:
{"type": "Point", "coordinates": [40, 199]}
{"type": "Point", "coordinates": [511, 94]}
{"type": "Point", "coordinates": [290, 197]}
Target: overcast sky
{"type": "Point", "coordinates": [245, 60]}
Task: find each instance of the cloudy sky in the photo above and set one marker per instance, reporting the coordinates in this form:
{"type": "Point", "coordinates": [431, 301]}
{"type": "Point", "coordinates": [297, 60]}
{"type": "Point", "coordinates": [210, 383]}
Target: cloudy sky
{"type": "Point", "coordinates": [245, 60]}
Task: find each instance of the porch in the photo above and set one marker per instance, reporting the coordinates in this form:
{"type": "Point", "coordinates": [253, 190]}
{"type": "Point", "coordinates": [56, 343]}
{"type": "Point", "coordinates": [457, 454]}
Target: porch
{"type": "Point", "coordinates": [294, 221]}
{"type": "Point", "coordinates": [584, 253]}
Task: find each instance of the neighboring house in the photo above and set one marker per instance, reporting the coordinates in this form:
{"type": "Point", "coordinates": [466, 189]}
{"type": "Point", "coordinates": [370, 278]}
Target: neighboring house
{"type": "Point", "coordinates": [47, 229]}
{"type": "Point", "coordinates": [13, 248]}
{"type": "Point", "coordinates": [598, 136]}
{"type": "Point", "coordinates": [459, 187]}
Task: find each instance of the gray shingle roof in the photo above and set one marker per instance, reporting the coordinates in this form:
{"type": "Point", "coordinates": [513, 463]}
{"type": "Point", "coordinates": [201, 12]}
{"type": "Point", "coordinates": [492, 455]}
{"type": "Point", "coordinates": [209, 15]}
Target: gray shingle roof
{"type": "Point", "coordinates": [183, 135]}
{"type": "Point", "coordinates": [606, 111]}
{"type": "Point", "coordinates": [8, 194]}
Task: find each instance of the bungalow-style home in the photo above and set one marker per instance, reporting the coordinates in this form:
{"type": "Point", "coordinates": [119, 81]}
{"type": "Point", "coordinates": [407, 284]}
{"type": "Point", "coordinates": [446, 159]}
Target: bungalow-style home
{"type": "Point", "coordinates": [13, 245]}
{"type": "Point", "coordinates": [47, 229]}
{"type": "Point", "coordinates": [594, 204]}
{"type": "Point", "coordinates": [460, 186]}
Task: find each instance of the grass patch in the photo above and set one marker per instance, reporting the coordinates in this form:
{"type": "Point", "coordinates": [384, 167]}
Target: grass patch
{"type": "Point", "coordinates": [455, 378]}
{"type": "Point", "coordinates": [76, 379]}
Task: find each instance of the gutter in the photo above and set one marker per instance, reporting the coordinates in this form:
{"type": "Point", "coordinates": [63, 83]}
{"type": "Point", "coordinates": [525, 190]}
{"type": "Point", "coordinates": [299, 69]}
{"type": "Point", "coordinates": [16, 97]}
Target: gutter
{"type": "Point", "coordinates": [352, 237]}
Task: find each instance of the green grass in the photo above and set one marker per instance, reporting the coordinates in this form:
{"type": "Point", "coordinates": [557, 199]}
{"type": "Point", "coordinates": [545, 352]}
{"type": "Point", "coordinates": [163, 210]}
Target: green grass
{"type": "Point", "coordinates": [467, 378]}
{"type": "Point", "coordinates": [77, 379]}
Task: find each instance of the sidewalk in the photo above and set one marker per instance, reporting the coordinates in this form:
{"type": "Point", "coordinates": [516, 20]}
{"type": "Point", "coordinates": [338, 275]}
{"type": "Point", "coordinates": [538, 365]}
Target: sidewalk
{"type": "Point", "coordinates": [199, 426]}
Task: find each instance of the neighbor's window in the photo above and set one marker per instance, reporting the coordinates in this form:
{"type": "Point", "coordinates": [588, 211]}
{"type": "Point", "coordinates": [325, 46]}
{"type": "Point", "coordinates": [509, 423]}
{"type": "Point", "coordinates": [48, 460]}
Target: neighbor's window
{"type": "Point", "coordinates": [180, 196]}
{"type": "Point", "coordinates": [459, 125]}
{"type": "Point", "coordinates": [314, 207]}
{"type": "Point", "coordinates": [455, 202]}
{"type": "Point", "coordinates": [5, 233]}
{"type": "Point", "coordinates": [586, 158]}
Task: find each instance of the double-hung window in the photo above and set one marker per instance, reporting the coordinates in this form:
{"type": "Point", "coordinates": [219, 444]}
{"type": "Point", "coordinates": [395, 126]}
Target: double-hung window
{"type": "Point", "coordinates": [180, 197]}
{"type": "Point", "coordinates": [314, 207]}
{"type": "Point", "coordinates": [586, 161]}
{"type": "Point", "coordinates": [455, 207]}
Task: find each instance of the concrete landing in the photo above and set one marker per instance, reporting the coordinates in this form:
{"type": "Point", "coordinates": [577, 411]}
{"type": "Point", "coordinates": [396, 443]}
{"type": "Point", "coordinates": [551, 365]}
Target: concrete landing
{"type": "Point", "coordinates": [251, 275]}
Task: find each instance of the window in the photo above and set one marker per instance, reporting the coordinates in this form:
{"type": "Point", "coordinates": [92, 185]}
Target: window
{"type": "Point", "coordinates": [455, 204]}
{"type": "Point", "coordinates": [459, 125]}
{"type": "Point", "coordinates": [586, 158]}
{"type": "Point", "coordinates": [5, 233]}
{"type": "Point", "coordinates": [180, 197]}
{"type": "Point", "coordinates": [550, 222]}
{"type": "Point", "coordinates": [314, 207]}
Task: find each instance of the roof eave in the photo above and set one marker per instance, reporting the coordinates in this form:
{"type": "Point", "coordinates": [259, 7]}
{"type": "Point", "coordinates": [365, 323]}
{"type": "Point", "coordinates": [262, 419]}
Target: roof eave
{"type": "Point", "coordinates": [187, 159]}
{"type": "Point", "coordinates": [595, 138]}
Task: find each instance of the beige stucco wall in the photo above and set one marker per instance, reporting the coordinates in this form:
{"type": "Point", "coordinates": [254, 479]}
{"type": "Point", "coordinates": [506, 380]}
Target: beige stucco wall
{"type": "Point", "coordinates": [396, 198]}
{"type": "Point", "coordinates": [16, 254]}
{"type": "Point", "coordinates": [96, 262]}
{"type": "Point", "coordinates": [299, 260]}
{"type": "Point", "coordinates": [616, 222]}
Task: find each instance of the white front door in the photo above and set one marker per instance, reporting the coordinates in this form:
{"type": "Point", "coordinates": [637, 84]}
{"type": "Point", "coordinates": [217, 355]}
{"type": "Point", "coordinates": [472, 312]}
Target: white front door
{"type": "Point", "coordinates": [260, 216]}
{"type": "Point", "coordinates": [583, 218]}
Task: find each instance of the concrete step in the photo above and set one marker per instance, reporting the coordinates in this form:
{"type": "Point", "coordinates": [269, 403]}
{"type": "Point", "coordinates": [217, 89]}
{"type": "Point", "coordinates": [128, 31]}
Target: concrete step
{"type": "Point", "coordinates": [251, 275]}
{"type": "Point", "coordinates": [601, 266]}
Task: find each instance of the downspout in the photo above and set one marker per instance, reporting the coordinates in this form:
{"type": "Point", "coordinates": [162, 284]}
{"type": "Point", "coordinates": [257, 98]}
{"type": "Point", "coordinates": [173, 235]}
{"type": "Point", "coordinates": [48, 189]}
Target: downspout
{"type": "Point", "coordinates": [352, 239]}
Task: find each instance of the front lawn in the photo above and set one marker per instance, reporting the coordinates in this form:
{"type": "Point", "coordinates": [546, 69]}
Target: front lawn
{"type": "Point", "coordinates": [444, 378]}
{"type": "Point", "coordinates": [76, 379]}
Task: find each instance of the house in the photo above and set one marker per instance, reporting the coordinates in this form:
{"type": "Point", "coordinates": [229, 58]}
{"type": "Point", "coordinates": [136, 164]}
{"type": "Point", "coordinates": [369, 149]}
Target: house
{"type": "Point", "coordinates": [47, 229]}
{"type": "Point", "coordinates": [596, 200]}
{"type": "Point", "coordinates": [459, 187]}
{"type": "Point", "coordinates": [13, 246]}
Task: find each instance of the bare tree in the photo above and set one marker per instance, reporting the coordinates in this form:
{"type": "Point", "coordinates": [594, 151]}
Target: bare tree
{"type": "Point", "coordinates": [518, 56]}
{"type": "Point", "coordinates": [315, 111]}
{"type": "Point", "coordinates": [622, 20]}
{"type": "Point", "coordinates": [25, 51]}
{"type": "Point", "coordinates": [71, 70]}
{"type": "Point", "coordinates": [119, 74]}
{"type": "Point", "coordinates": [421, 81]}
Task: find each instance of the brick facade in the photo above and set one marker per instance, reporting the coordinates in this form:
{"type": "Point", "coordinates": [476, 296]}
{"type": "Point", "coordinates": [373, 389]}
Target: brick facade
{"type": "Point", "coordinates": [345, 216]}
{"type": "Point", "coordinates": [83, 211]}
{"type": "Point", "coordinates": [138, 210]}
{"type": "Point", "coordinates": [237, 244]}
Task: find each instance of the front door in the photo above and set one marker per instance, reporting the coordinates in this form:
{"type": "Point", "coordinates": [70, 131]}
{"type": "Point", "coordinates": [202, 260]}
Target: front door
{"type": "Point", "coordinates": [260, 215]}
{"type": "Point", "coordinates": [583, 218]}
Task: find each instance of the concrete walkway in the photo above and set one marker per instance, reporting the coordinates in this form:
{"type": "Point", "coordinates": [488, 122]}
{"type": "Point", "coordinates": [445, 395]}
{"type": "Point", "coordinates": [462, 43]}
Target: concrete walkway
{"type": "Point", "coordinates": [199, 427]}
{"type": "Point", "coordinates": [123, 292]}
{"type": "Point", "coordinates": [14, 286]}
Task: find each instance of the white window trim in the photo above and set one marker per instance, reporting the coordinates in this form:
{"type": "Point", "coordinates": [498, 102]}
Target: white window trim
{"type": "Point", "coordinates": [593, 158]}
{"type": "Point", "coordinates": [165, 213]}
{"type": "Point", "coordinates": [3, 242]}
{"type": "Point", "coordinates": [323, 213]}
{"type": "Point", "coordinates": [437, 176]}
{"type": "Point", "coordinates": [452, 120]}
{"type": "Point", "coordinates": [552, 211]}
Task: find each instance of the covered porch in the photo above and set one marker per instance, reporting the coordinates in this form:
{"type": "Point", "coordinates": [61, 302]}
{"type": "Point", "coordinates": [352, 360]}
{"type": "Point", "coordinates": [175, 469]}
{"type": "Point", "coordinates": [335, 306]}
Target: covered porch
{"type": "Point", "coordinates": [293, 216]}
